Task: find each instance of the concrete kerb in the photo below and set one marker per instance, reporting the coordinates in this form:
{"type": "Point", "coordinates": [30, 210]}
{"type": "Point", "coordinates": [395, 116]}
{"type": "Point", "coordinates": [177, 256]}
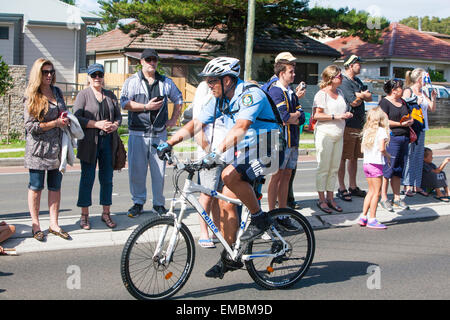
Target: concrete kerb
{"type": "Point", "coordinates": [100, 235]}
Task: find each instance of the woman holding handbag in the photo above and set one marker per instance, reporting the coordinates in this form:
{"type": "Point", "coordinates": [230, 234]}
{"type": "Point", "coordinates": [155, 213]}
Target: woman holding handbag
{"type": "Point", "coordinates": [99, 115]}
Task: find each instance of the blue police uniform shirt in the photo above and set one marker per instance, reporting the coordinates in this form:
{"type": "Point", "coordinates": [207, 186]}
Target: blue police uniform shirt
{"type": "Point", "coordinates": [248, 105]}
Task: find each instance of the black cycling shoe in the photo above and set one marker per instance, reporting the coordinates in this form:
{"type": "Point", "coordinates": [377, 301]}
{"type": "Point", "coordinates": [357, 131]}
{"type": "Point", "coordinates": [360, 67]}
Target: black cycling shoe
{"type": "Point", "coordinates": [257, 227]}
{"type": "Point", "coordinates": [287, 224]}
{"type": "Point", "coordinates": [222, 266]}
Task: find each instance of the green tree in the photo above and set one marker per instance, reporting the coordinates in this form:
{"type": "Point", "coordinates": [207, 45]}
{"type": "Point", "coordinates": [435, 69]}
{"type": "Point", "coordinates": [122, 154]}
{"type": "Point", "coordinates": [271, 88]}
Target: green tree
{"type": "Point", "coordinates": [72, 2]}
{"type": "Point", "coordinates": [433, 24]}
{"type": "Point", "coordinates": [6, 84]}
{"type": "Point", "coordinates": [275, 18]}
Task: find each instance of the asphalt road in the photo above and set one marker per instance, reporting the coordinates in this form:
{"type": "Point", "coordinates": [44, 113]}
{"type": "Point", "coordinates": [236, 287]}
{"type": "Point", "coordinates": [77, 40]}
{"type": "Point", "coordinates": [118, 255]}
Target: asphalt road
{"type": "Point", "coordinates": [410, 259]}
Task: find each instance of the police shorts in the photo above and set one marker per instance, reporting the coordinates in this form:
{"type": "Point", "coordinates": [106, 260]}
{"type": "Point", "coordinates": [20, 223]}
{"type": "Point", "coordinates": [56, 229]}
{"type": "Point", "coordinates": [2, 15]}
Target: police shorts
{"type": "Point", "coordinates": [250, 167]}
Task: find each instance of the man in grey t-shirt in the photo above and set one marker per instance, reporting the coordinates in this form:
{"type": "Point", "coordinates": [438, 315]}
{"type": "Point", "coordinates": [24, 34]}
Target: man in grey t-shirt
{"type": "Point", "coordinates": [355, 93]}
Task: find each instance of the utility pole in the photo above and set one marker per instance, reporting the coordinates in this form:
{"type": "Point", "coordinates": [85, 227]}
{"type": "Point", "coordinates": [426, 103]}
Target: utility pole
{"type": "Point", "coordinates": [250, 38]}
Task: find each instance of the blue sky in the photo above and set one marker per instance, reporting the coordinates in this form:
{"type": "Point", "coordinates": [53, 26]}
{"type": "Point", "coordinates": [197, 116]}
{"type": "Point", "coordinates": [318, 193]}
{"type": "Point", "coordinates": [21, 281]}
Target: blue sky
{"type": "Point", "coordinates": [393, 10]}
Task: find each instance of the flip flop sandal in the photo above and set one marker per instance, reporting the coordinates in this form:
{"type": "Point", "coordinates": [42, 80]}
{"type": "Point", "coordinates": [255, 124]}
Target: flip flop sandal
{"type": "Point", "coordinates": [38, 235]}
{"type": "Point", "coordinates": [443, 199]}
{"type": "Point", "coordinates": [336, 207]}
{"type": "Point", "coordinates": [423, 193]}
{"type": "Point", "coordinates": [326, 210]}
{"type": "Point", "coordinates": [410, 193]}
{"type": "Point", "coordinates": [206, 243]}
{"type": "Point", "coordinates": [106, 218]}
{"type": "Point", "coordinates": [344, 195]}
{"type": "Point", "coordinates": [61, 233]}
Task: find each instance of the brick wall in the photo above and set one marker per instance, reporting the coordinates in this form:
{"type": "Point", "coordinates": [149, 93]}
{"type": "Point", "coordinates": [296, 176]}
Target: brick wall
{"type": "Point", "coordinates": [16, 112]}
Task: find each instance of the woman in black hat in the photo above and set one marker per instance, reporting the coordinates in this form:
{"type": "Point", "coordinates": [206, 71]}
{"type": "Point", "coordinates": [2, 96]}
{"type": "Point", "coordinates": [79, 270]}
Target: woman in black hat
{"type": "Point", "coordinates": [99, 115]}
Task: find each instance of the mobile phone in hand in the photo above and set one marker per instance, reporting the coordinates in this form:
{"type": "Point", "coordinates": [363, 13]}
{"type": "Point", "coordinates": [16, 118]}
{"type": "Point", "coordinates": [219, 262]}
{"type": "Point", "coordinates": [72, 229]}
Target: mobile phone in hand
{"type": "Point", "coordinates": [159, 98]}
{"type": "Point", "coordinates": [302, 85]}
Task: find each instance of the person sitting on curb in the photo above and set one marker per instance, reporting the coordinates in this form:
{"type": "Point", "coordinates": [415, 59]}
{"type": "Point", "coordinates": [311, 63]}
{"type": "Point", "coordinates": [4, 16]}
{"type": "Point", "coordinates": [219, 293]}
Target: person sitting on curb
{"type": "Point", "coordinates": [433, 177]}
{"type": "Point", "coordinates": [6, 231]}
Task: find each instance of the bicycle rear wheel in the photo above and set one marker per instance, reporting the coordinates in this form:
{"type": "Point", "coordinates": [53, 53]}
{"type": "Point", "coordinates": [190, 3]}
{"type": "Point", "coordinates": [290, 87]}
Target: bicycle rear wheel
{"type": "Point", "coordinates": [145, 274]}
{"type": "Point", "coordinates": [287, 269]}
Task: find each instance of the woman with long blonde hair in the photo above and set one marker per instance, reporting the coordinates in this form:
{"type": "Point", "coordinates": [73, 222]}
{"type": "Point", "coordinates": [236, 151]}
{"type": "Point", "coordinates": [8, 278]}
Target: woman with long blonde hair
{"type": "Point", "coordinates": [375, 138]}
{"type": "Point", "coordinates": [44, 118]}
{"type": "Point", "coordinates": [414, 93]}
{"type": "Point", "coordinates": [330, 111]}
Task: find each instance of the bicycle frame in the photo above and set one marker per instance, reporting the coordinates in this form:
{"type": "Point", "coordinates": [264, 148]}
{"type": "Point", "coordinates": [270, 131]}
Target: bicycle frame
{"type": "Point", "coordinates": [190, 188]}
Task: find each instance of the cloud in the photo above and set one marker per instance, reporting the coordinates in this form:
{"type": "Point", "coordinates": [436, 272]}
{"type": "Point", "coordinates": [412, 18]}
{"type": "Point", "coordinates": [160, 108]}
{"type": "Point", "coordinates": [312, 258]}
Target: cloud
{"type": "Point", "coordinates": [88, 5]}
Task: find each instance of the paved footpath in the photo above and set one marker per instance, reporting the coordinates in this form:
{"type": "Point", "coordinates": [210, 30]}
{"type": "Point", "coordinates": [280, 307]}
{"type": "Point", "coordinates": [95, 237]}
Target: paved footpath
{"type": "Point", "coordinates": [100, 235]}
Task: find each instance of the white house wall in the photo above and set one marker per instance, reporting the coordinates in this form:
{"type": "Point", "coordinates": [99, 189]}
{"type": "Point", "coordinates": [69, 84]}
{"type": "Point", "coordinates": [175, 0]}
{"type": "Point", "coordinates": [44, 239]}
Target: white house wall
{"type": "Point", "coordinates": [56, 44]}
{"type": "Point", "coordinates": [7, 46]}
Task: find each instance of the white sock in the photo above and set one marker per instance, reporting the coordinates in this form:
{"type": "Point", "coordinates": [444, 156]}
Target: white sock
{"type": "Point", "coordinates": [372, 220]}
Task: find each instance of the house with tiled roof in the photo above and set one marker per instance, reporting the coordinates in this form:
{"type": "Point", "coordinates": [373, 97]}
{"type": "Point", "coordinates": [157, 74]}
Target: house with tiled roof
{"type": "Point", "coordinates": [184, 51]}
{"type": "Point", "coordinates": [50, 29]}
{"type": "Point", "coordinates": [403, 49]}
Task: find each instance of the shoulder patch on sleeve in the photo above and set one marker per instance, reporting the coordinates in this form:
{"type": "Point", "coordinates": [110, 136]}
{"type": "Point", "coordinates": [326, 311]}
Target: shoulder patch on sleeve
{"type": "Point", "coordinates": [247, 100]}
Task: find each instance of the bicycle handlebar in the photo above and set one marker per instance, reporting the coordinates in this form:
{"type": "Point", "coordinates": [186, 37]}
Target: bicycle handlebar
{"type": "Point", "coordinates": [188, 166]}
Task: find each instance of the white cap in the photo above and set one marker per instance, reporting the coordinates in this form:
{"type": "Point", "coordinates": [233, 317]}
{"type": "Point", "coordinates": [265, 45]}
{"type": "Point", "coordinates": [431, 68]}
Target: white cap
{"type": "Point", "coordinates": [285, 56]}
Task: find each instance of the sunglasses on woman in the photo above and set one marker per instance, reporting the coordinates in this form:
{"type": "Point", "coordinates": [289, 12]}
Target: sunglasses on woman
{"type": "Point", "coordinates": [97, 74]}
{"type": "Point", "coordinates": [339, 76]}
{"type": "Point", "coordinates": [47, 72]}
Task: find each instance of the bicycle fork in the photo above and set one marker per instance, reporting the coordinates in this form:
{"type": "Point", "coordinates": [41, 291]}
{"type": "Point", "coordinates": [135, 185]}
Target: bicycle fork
{"type": "Point", "coordinates": [164, 259]}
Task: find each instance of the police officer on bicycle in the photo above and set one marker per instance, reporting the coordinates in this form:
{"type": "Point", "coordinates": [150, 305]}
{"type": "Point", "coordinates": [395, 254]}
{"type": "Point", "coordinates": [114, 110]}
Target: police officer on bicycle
{"type": "Point", "coordinates": [250, 119]}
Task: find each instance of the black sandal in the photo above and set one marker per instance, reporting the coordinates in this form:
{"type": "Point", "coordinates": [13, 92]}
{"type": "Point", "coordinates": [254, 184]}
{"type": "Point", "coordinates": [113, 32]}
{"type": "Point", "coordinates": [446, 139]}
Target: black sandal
{"type": "Point", "coordinates": [344, 195]}
{"type": "Point", "coordinates": [336, 207]}
{"type": "Point", "coordinates": [326, 210]}
{"type": "Point", "coordinates": [357, 192]}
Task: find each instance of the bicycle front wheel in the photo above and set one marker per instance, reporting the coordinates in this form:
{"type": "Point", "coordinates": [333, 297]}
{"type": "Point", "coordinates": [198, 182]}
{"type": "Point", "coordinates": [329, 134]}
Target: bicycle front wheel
{"type": "Point", "coordinates": [147, 273]}
{"type": "Point", "coordinates": [295, 238]}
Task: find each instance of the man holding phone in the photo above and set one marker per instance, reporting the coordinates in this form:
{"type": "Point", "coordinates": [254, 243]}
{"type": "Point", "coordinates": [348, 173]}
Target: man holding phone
{"type": "Point", "coordinates": [145, 95]}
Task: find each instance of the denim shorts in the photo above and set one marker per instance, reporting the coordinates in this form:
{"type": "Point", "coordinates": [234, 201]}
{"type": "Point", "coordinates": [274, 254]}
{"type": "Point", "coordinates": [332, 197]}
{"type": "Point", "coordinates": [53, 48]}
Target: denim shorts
{"type": "Point", "coordinates": [54, 178]}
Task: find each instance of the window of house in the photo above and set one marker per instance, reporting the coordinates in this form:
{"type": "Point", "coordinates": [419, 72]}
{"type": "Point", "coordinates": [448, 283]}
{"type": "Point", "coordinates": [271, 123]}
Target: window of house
{"type": "Point", "coordinates": [307, 72]}
{"type": "Point", "coordinates": [4, 33]}
{"type": "Point", "coordinates": [111, 66]}
{"type": "Point", "coordinates": [384, 72]}
{"type": "Point", "coordinates": [400, 72]}
{"type": "Point", "coordinates": [90, 59]}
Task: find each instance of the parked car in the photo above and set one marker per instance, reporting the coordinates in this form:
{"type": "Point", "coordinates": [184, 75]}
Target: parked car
{"type": "Point", "coordinates": [442, 92]}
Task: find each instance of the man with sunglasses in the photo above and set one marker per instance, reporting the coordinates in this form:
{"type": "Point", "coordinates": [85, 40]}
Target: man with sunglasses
{"type": "Point", "coordinates": [249, 118]}
{"type": "Point", "coordinates": [145, 96]}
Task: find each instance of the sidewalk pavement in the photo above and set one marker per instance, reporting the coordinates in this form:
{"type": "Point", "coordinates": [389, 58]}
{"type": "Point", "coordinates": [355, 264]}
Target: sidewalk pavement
{"type": "Point", "coordinates": [100, 235]}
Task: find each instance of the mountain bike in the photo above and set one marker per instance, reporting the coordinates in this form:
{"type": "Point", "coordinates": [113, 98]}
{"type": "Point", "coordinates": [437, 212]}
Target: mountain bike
{"type": "Point", "coordinates": [159, 255]}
